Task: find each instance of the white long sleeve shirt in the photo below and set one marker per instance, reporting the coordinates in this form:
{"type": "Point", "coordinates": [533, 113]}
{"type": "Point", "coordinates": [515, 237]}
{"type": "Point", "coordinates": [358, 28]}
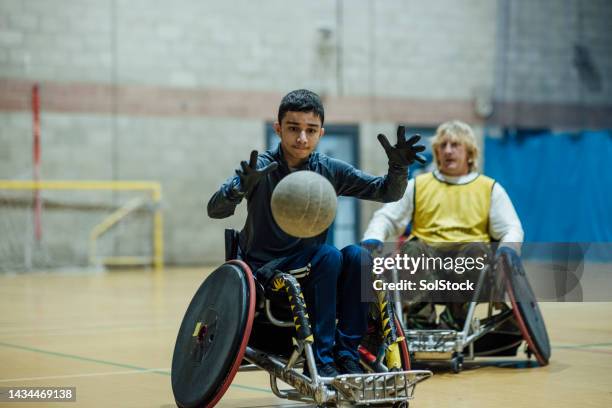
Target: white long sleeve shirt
{"type": "Point", "coordinates": [391, 220]}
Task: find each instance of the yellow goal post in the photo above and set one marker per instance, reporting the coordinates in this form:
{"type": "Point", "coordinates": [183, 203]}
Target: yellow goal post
{"type": "Point", "coordinates": [76, 215]}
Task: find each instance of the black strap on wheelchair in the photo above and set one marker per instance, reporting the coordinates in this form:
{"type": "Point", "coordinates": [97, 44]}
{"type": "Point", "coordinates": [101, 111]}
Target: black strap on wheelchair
{"type": "Point", "coordinates": [231, 244]}
{"type": "Point", "coordinates": [274, 281]}
{"type": "Point", "coordinates": [288, 283]}
{"type": "Point", "coordinates": [267, 272]}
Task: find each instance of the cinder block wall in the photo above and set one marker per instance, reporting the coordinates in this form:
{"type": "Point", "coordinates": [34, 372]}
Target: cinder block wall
{"type": "Point", "coordinates": [553, 64]}
{"type": "Point", "coordinates": [179, 91]}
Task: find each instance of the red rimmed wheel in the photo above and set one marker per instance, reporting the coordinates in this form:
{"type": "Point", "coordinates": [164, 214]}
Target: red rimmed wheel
{"type": "Point", "coordinates": [525, 309]}
{"type": "Point", "coordinates": [213, 336]}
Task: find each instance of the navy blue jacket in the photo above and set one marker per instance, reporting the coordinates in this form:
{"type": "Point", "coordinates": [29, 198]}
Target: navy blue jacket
{"type": "Point", "coordinates": [261, 239]}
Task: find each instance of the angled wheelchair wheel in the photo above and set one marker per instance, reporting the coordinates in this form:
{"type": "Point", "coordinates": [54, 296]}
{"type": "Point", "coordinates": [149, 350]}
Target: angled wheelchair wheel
{"type": "Point", "coordinates": [525, 309]}
{"type": "Point", "coordinates": [213, 336]}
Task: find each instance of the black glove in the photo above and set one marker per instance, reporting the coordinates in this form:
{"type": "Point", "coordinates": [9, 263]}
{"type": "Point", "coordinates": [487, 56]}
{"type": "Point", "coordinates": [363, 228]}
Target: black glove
{"type": "Point", "coordinates": [250, 174]}
{"type": "Point", "coordinates": [404, 153]}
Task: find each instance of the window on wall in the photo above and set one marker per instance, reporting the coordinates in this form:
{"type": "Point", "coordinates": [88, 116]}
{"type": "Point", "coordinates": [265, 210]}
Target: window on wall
{"type": "Point", "coordinates": [340, 142]}
{"type": "Point", "coordinates": [427, 134]}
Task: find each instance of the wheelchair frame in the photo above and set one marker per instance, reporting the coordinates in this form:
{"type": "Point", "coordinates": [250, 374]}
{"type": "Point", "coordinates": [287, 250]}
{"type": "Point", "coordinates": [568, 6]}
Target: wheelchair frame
{"type": "Point", "coordinates": [450, 345]}
{"type": "Point", "coordinates": [394, 388]}
{"type": "Point", "coordinates": [382, 389]}
{"type": "Point", "coordinates": [390, 388]}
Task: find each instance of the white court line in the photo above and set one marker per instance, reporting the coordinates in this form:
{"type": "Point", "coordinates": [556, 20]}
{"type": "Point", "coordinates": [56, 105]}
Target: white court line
{"type": "Point", "coordinates": [91, 331]}
{"type": "Point", "coordinates": [106, 327]}
{"type": "Point", "coordinates": [55, 377]}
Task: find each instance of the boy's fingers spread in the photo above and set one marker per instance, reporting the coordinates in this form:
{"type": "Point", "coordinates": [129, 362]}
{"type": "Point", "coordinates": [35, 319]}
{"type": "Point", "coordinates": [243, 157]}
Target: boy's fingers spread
{"type": "Point", "coordinates": [253, 159]}
{"type": "Point", "coordinates": [420, 159]}
{"type": "Point", "coordinates": [270, 167]}
{"type": "Point", "coordinates": [401, 132]}
{"type": "Point", "coordinates": [245, 166]}
{"type": "Point", "coordinates": [384, 142]}
{"type": "Point", "coordinates": [414, 139]}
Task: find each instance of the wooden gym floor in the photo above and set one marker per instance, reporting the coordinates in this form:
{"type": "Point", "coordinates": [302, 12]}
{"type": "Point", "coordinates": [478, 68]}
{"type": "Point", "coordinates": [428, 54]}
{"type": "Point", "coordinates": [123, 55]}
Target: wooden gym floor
{"type": "Point", "coordinates": [111, 335]}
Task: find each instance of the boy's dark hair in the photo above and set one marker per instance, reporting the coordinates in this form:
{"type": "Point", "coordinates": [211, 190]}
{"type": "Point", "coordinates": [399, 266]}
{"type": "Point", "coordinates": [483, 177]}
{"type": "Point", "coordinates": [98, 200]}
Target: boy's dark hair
{"type": "Point", "coordinates": [301, 100]}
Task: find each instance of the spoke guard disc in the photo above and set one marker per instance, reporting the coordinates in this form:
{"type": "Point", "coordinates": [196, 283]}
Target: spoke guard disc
{"type": "Point", "coordinates": [213, 336]}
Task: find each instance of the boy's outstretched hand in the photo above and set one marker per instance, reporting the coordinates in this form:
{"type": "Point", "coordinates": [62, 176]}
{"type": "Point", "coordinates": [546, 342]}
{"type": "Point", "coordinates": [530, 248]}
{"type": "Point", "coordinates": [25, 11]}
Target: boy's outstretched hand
{"type": "Point", "coordinates": [405, 152]}
{"type": "Point", "coordinates": [250, 175]}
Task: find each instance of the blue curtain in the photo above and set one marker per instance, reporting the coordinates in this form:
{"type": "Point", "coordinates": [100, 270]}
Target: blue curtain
{"type": "Point", "coordinates": [560, 183]}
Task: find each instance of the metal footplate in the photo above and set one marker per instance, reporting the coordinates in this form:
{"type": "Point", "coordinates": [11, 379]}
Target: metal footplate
{"type": "Point", "coordinates": [344, 390]}
{"type": "Point", "coordinates": [377, 388]}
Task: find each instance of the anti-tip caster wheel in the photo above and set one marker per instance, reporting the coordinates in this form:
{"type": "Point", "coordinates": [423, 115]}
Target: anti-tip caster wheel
{"type": "Point", "coordinates": [457, 364]}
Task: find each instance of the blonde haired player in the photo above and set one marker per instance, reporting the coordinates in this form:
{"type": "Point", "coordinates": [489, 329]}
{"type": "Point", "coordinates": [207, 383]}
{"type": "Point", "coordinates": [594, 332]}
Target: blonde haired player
{"type": "Point", "coordinates": [452, 204]}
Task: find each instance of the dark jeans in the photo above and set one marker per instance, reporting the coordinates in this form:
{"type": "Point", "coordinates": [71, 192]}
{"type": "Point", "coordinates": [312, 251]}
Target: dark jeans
{"type": "Point", "coordinates": [332, 291]}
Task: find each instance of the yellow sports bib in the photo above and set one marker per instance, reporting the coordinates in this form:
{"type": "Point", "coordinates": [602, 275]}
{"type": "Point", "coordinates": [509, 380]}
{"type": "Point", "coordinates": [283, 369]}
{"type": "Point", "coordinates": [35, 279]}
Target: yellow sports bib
{"type": "Point", "coordinates": [449, 213]}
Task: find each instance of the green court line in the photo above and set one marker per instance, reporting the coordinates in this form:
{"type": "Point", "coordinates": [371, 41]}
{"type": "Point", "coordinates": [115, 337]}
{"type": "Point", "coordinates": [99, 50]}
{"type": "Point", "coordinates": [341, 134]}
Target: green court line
{"type": "Point", "coordinates": [167, 373]}
{"type": "Point", "coordinates": [111, 363]}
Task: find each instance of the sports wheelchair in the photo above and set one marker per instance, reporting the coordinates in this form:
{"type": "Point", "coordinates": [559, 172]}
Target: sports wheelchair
{"type": "Point", "coordinates": [510, 320]}
{"type": "Point", "coordinates": [234, 323]}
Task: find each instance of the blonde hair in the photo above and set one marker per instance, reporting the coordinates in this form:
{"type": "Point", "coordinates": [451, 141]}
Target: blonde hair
{"type": "Point", "coordinates": [461, 132]}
